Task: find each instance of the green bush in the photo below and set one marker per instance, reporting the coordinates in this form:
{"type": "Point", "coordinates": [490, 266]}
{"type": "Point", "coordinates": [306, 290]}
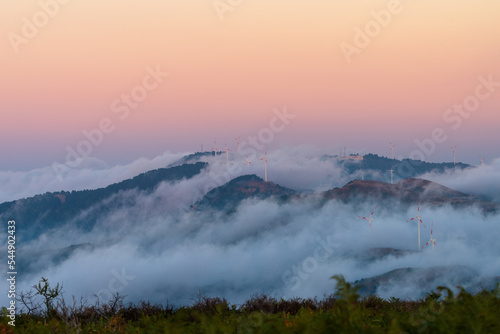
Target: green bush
{"type": "Point", "coordinates": [342, 312]}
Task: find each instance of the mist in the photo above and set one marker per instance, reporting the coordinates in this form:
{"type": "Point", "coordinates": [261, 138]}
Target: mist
{"type": "Point", "coordinates": [156, 248]}
{"type": "Point", "coordinates": [91, 173]}
{"type": "Point", "coordinates": [483, 180]}
{"type": "Point", "coordinates": [284, 250]}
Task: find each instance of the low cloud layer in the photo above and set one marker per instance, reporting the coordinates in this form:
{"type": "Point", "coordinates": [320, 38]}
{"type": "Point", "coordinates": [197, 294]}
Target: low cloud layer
{"type": "Point", "coordinates": [90, 174]}
{"type": "Point", "coordinates": [156, 249]}
{"type": "Point", "coordinates": [483, 180]}
{"type": "Point", "coordinates": [301, 168]}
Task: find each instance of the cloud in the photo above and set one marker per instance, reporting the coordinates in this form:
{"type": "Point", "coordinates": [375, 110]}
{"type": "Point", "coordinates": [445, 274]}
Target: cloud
{"type": "Point", "coordinates": [299, 168]}
{"type": "Point", "coordinates": [286, 249]}
{"type": "Point", "coordinates": [91, 174]}
{"type": "Point", "coordinates": [481, 180]}
{"type": "Point", "coordinates": [155, 248]}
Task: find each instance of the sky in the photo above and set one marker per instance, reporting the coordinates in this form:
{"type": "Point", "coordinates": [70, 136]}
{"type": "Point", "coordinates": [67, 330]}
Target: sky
{"type": "Point", "coordinates": [355, 74]}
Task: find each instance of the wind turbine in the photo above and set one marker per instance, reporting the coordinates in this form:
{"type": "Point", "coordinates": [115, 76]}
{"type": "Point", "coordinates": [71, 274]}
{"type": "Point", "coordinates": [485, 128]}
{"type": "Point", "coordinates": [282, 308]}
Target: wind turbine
{"type": "Point", "coordinates": [453, 148]}
{"type": "Point", "coordinates": [265, 159]}
{"type": "Point", "coordinates": [392, 149]}
{"type": "Point", "coordinates": [248, 162]}
{"type": "Point", "coordinates": [238, 143]}
{"type": "Point", "coordinates": [481, 160]}
{"type": "Point", "coordinates": [391, 170]}
{"type": "Point", "coordinates": [227, 152]}
{"type": "Point", "coordinates": [215, 147]}
{"type": "Point", "coordinates": [418, 218]}
{"type": "Point", "coordinates": [432, 241]}
{"type": "Point", "coordinates": [370, 219]}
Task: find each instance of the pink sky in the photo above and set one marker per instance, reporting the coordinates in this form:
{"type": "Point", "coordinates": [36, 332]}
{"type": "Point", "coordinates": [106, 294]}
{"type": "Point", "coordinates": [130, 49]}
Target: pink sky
{"type": "Point", "coordinates": [226, 76]}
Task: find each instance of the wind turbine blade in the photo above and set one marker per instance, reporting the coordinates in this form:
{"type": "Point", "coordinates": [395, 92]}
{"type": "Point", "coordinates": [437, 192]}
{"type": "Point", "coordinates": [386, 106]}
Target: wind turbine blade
{"type": "Point", "coordinates": [373, 211]}
{"type": "Point", "coordinates": [410, 220]}
{"type": "Point", "coordinates": [422, 222]}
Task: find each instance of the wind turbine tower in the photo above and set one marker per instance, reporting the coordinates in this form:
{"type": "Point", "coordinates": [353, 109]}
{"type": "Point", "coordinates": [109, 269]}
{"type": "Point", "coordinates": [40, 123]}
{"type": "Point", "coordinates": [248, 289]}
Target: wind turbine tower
{"type": "Point", "coordinates": [391, 170]}
{"type": "Point", "coordinates": [215, 147]}
{"type": "Point", "coordinates": [265, 160]}
{"type": "Point", "coordinates": [454, 149]}
{"type": "Point", "coordinates": [227, 153]}
{"type": "Point", "coordinates": [391, 147]}
{"type": "Point", "coordinates": [418, 218]}
{"type": "Point", "coordinates": [238, 143]}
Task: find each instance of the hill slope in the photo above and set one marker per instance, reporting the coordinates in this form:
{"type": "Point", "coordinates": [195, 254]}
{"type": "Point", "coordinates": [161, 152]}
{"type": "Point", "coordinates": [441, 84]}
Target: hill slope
{"type": "Point", "coordinates": [228, 196]}
{"type": "Point", "coordinates": [408, 191]}
{"type": "Point", "coordinates": [42, 212]}
{"type": "Point", "coordinates": [376, 167]}
{"type": "Point", "coordinates": [396, 282]}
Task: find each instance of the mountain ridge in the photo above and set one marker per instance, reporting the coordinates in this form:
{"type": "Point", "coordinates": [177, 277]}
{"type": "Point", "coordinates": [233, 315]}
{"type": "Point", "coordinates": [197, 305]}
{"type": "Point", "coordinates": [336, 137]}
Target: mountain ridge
{"type": "Point", "coordinates": [47, 210]}
{"type": "Point", "coordinates": [229, 195]}
{"type": "Point", "coordinates": [411, 190]}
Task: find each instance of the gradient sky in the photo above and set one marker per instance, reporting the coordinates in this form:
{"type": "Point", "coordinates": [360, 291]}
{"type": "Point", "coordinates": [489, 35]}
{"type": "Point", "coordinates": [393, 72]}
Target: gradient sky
{"type": "Point", "coordinates": [226, 76]}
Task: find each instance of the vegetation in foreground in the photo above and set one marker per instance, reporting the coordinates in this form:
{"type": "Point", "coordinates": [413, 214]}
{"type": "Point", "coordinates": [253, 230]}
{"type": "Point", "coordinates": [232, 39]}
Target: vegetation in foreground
{"type": "Point", "coordinates": [442, 311]}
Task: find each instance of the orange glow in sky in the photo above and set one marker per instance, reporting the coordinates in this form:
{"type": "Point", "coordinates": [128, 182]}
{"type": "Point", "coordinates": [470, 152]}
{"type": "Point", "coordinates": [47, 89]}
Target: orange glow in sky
{"type": "Point", "coordinates": [63, 63]}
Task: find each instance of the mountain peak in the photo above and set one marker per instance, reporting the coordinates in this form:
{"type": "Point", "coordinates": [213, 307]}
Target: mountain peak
{"type": "Point", "coordinates": [240, 188]}
{"type": "Point", "coordinates": [411, 190]}
{"type": "Point", "coordinates": [247, 178]}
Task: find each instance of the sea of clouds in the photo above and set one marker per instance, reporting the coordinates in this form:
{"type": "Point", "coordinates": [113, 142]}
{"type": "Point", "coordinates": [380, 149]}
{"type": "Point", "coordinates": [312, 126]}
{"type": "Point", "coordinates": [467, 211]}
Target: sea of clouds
{"type": "Point", "coordinates": [157, 249]}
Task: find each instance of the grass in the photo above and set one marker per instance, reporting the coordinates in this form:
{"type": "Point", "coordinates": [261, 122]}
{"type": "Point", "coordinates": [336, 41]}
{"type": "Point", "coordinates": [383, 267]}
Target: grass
{"type": "Point", "coordinates": [342, 312]}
